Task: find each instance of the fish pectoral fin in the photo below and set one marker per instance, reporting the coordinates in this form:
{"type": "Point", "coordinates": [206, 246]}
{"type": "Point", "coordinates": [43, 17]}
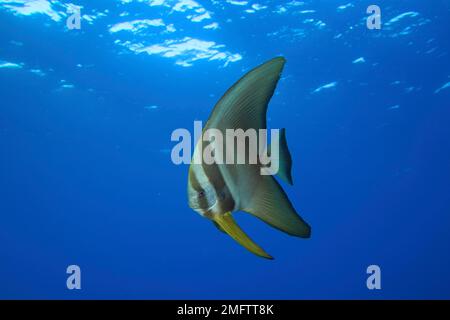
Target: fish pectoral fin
{"type": "Point", "coordinates": [270, 203]}
{"type": "Point", "coordinates": [229, 226]}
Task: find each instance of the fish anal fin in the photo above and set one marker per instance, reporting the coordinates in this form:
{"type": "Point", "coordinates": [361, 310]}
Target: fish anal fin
{"type": "Point", "coordinates": [270, 204]}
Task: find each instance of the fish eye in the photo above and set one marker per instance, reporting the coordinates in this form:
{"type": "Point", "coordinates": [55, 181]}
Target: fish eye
{"type": "Point", "coordinates": [201, 193]}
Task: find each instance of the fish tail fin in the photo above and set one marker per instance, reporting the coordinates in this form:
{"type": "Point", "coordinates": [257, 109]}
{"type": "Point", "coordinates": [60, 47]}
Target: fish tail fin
{"type": "Point", "coordinates": [284, 159]}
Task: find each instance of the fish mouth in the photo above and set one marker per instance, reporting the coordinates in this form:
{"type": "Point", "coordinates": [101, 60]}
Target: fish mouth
{"type": "Point", "coordinates": [212, 206]}
{"type": "Point", "coordinates": [208, 212]}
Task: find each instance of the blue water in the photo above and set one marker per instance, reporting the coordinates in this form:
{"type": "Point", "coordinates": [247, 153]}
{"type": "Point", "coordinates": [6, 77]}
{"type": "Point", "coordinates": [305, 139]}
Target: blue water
{"type": "Point", "coordinates": [86, 176]}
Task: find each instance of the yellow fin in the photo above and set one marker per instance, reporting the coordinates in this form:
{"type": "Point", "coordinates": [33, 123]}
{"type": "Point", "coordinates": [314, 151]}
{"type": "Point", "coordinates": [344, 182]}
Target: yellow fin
{"type": "Point", "coordinates": [227, 224]}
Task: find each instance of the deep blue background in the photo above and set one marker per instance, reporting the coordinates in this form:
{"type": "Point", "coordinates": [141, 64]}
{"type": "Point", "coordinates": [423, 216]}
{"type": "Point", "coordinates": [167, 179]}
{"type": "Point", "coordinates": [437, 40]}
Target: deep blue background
{"type": "Point", "coordinates": [86, 176]}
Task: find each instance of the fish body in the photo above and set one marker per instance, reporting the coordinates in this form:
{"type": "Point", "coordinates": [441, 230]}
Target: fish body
{"type": "Point", "coordinates": [217, 190]}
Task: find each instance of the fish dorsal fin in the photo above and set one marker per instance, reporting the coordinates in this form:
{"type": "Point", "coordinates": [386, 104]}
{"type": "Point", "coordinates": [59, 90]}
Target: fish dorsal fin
{"type": "Point", "coordinates": [244, 105]}
{"type": "Point", "coordinates": [269, 203]}
{"type": "Point", "coordinates": [284, 159]}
